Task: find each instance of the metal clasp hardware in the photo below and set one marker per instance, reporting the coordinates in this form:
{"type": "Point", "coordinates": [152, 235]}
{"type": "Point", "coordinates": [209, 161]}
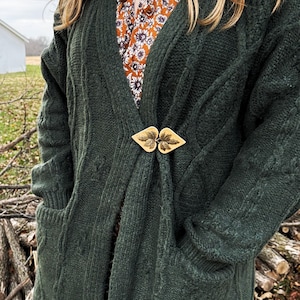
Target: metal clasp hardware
{"type": "Point", "coordinates": [166, 140]}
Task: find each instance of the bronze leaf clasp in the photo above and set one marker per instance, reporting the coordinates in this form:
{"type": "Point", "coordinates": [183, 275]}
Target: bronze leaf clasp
{"type": "Point", "coordinates": [166, 140]}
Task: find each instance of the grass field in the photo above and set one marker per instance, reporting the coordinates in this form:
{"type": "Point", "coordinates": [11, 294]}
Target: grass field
{"type": "Point", "coordinates": [20, 95]}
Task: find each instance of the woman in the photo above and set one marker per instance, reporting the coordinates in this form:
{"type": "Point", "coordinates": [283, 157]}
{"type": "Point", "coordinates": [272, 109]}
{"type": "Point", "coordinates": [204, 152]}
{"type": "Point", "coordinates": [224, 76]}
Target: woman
{"type": "Point", "coordinates": [165, 181]}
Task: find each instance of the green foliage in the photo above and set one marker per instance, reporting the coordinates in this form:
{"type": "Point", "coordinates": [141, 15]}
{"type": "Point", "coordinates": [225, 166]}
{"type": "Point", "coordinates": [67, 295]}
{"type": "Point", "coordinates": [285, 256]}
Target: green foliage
{"type": "Point", "coordinates": [20, 95]}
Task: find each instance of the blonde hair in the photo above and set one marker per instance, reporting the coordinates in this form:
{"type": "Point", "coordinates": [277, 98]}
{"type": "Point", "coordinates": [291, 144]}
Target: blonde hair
{"type": "Point", "coordinates": [70, 11]}
{"type": "Point", "coordinates": [215, 16]}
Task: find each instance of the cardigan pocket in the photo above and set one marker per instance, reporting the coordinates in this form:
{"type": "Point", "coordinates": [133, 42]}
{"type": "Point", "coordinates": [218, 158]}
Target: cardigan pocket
{"type": "Point", "coordinates": [183, 279]}
{"type": "Point", "coordinates": [49, 230]}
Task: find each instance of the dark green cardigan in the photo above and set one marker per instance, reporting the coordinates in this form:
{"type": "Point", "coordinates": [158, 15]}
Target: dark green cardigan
{"type": "Point", "coordinates": [192, 220]}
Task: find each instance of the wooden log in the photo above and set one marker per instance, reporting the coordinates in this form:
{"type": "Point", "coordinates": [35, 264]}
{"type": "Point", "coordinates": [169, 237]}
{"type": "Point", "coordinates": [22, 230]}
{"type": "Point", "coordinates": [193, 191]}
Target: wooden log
{"type": "Point", "coordinates": [18, 225]}
{"type": "Point", "coordinates": [295, 233]}
{"type": "Point", "coordinates": [18, 257]}
{"type": "Point", "coordinates": [266, 270]}
{"type": "Point", "coordinates": [285, 229]}
{"type": "Point", "coordinates": [264, 282]}
{"type": "Point", "coordinates": [274, 260]}
{"type": "Point", "coordinates": [31, 239]}
{"type": "Point", "coordinates": [292, 226]}
{"type": "Point", "coordinates": [286, 247]}
{"type": "Point", "coordinates": [27, 240]}
{"type": "Point", "coordinates": [4, 275]}
{"type": "Point", "coordinates": [26, 232]}
{"type": "Point", "coordinates": [264, 296]}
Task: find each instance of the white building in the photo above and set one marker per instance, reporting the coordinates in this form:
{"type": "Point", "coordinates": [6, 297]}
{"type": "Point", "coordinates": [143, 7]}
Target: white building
{"type": "Point", "coordinates": [12, 50]}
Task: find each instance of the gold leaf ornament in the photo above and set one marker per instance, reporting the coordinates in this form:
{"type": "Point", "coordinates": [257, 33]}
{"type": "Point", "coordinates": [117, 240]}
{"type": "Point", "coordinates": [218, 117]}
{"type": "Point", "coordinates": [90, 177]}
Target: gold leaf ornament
{"type": "Point", "coordinates": [166, 140]}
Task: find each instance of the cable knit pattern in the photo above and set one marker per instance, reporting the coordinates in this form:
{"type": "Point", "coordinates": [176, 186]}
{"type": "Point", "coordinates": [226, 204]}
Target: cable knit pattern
{"type": "Point", "coordinates": [193, 220]}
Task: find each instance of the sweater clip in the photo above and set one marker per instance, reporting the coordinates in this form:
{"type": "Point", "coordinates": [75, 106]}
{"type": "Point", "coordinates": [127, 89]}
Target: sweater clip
{"type": "Point", "coordinates": [166, 140]}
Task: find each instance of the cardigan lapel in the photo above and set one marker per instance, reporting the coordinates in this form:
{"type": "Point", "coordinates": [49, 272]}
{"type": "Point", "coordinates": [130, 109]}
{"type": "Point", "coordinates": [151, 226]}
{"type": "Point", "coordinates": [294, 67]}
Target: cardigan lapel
{"type": "Point", "coordinates": [175, 26]}
{"type": "Point", "coordinates": [112, 67]}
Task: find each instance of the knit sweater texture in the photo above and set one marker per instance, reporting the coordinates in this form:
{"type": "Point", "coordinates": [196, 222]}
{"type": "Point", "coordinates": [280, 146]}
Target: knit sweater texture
{"type": "Point", "coordinates": [192, 220]}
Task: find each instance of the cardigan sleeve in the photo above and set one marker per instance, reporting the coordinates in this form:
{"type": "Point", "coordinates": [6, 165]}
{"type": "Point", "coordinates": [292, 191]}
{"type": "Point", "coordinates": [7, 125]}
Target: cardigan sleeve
{"type": "Point", "coordinates": [52, 179]}
{"type": "Point", "coordinates": [264, 184]}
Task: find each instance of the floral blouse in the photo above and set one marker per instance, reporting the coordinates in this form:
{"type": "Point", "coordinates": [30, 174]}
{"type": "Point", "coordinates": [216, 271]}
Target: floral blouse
{"type": "Point", "coordinates": [136, 35]}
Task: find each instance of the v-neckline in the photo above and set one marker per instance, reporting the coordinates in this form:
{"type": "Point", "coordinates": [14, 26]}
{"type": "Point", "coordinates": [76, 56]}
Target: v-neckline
{"type": "Point", "coordinates": [111, 62]}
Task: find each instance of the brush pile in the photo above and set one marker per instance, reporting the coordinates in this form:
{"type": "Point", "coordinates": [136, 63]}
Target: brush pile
{"type": "Point", "coordinates": [17, 247]}
{"type": "Point", "coordinates": [277, 266]}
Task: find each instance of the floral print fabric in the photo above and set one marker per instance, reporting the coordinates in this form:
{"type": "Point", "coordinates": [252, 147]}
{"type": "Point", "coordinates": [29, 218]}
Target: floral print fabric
{"type": "Point", "coordinates": [136, 34]}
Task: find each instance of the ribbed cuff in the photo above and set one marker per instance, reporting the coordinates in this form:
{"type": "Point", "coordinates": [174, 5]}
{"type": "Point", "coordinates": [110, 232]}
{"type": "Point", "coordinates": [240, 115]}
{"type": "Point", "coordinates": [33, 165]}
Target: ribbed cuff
{"type": "Point", "coordinates": [48, 216]}
{"type": "Point", "coordinates": [56, 200]}
{"type": "Point", "coordinates": [193, 254]}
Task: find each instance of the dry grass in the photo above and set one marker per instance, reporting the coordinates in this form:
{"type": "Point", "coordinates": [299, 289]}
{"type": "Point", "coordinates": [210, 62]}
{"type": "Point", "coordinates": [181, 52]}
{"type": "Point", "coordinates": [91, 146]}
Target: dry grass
{"type": "Point", "coordinates": [20, 95]}
{"type": "Point", "coordinates": [33, 60]}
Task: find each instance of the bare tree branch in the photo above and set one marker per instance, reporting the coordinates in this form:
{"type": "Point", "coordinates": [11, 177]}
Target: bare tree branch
{"type": "Point", "coordinates": [18, 288]}
{"type": "Point", "coordinates": [15, 187]}
{"type": "Point", "coordinates": [22, 199]}
{"type": "Point", "coordinates": [290, 224]}
{"type": "Point", "coordinates": [15, 216]}
{"type": "Point", "coordinates": [9, 165]}
{"type": "Point", "coordinates": [22, 97]}
{"type": "Point", "coordinates": [22, 137]}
